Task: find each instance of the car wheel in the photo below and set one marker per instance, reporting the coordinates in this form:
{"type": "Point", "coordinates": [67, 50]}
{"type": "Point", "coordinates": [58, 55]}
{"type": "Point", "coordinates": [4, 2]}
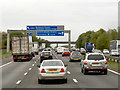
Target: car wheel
{"type": "Point", "coordinates": [15, 60]}
{"type": "Point", "coordinates": [40, 81]}
{"type": "Point", "coordinates": [81, 70]}
{"type": "Point", "coordinates": [105, 72]}
{"type": "Point", "coordinates": [65, 80]}
{"type": "Point", "coordinates": [85, 72]}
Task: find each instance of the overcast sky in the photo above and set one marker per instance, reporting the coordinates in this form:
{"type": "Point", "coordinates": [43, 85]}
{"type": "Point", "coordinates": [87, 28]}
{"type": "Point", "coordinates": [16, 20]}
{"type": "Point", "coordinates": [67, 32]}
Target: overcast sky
{"type": "Point", "coordinates": [78, 16]}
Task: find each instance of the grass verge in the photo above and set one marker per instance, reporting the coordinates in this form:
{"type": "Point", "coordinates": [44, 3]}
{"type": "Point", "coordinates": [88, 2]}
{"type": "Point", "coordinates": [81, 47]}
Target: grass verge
{"type": "Point", "coordinates": [6, 54]}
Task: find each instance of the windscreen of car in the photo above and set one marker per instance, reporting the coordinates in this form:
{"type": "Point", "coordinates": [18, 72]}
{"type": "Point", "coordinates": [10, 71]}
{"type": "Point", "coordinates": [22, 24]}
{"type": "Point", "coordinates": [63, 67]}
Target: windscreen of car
{"type": "Point", "coordinates": [46, 53]}
{"type": "Point", "coordinates": [66, 50]}
{"type": "Point", "coordinates": [95, 57]}
{"type": "Point", "coordinates": [52, 63]}
{"type": "Point", "coordinates": [76, 53]}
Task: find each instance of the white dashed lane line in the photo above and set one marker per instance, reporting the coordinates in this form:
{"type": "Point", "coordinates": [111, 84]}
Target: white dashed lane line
{"type": "Point", "coordinates": [75, 80]}
{"type": "Point", "coordinates": [30, 68]}
{"type": "Point", "coordinates": [68, 72]}
{"type": "Point", "coordinates": [18, 82]}
{"type": "Point", "coordinates": [25, 73]}
{"type": "Point", "coordinates": [33, 64]}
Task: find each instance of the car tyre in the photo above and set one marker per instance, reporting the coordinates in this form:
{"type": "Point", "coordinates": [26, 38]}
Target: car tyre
{"type": "Point", "coordinates": [15, 60]}
{"type": "Point", "coordinates": [40, 81]}
{"type": "Point", "coordinates": [65, 80]}
{"type": "Point", "coordinates": [85, 72]}
{"type": "Point", "coordinates": [81, 70]}
{"type": "Point", "coordinates": [105, 72]}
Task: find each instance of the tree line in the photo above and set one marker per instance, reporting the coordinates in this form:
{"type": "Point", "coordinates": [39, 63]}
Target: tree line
{"type": "Point", "coordinates": [100, 38]}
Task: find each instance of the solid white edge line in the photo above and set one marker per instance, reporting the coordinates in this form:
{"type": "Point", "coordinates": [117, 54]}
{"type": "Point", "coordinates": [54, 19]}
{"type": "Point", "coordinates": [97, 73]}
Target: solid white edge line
{"type": "Point", "coordinates": [30, 68]}
{"type": "Point", "coordinates": [25, 73]}
{"type": "Point", "coordinates": [113, 72]}
{"type": "Point", "coordinates": [68, 72]}
{"type": "Point", "coordinates": [18, 82]}
{"type": "Point", "coordinates": [75, 80]}
{"type": "Point", "coordinates": [32, 64]}
{"type": "Point", "coordinates": [6, 64]}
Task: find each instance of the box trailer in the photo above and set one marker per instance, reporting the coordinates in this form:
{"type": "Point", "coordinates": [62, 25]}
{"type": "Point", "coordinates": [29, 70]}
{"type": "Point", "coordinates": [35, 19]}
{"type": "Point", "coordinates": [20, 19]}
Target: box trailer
{"type": "Point", "coordinates": [35, 47]}
{"type": "Point", "coordinates": [21, 48]}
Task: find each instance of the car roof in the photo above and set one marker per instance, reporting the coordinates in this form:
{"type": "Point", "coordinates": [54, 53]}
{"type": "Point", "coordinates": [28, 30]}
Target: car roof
{"type": "Point", "coordinates": [46, 51]}
{"type": "Point", "coordinates": [53, 60]}
{"type": "Point", "coordinates": [94, 53]}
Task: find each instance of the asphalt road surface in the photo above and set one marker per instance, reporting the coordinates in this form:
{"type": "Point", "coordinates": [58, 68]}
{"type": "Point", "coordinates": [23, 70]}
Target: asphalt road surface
{"type": "Point", "coordinates": [24, 75]}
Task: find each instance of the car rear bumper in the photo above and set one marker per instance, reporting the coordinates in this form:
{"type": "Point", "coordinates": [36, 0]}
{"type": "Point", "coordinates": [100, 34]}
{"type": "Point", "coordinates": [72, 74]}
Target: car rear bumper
{"type": "Point", "coordinates": [52, 76]}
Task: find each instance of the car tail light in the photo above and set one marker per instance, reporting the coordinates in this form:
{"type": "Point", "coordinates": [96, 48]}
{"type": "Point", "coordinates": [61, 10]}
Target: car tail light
{"type": "Point", "coordinates": [79, 55]}
{"type": "Point", "coordinates": [42, 71]}
{"type": "Point", "coordinates": [62, 70]}
{"type": "Point", "coordinates": [103, 68]}
{"type": "Point", "coordinates": [106, 62]}
{"type": "Point", "coordinates": [85, 63]}
{"type": "Point", "coordinates": [27, 57]}
{"type": "Point", "coordinates": [89, 68]}
{"type": "Point", "coordinates": [14, 58]}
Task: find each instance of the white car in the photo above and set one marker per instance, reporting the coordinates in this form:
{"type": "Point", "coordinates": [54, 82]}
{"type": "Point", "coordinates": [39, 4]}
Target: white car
{"type": "Point", "coordinates": [52, 69]}
{"type": "Point", "coordinates": [105, 51]}
{"type": "Point", "coordinates": [114, 52]}
{"type": "Point", "coordinates": [94, 62]}
{"type": "Point", "coordinates": [60, 50]}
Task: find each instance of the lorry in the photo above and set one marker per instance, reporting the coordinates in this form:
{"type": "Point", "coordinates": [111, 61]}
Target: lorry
{"type": "Point", "coordinates": [115, 47]}
{"type": "Point", "coordinates": [35, 47]}
{"type": "Point", "coordinates": [22, 48]}
{"type": "Point", "coordinates": [89, 47]}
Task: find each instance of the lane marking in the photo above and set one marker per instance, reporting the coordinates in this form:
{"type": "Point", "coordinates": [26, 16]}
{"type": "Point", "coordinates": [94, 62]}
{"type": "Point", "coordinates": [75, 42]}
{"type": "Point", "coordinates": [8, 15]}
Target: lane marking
{"type": "Point", "coordinates": [75, 80]}
{"type": "Point", "coordinates": [32, 64]}
{"type": "Point", "coordinates": [30, 68]}
{"type": "Point", "coordinates": [114, 72]}
{"type": "Point", "coordinates": [6, 64]}
{"type": "Point", "coordinates": [18, 82]}
{"type": "Point", "coordinates": [35, 61]}
{"type": "Point", "coordinates": [68, 72]}
{"type": "Point", "coordinates": [25, 73]}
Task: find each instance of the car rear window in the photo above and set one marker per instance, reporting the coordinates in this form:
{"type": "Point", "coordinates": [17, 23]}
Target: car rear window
{"type": "Point", "coordinates": [46, 53]}
{"type": "Point", "coordinates": [76, 53]}
{"type": "Point", "coordinates": [95, 57]}
{"type": "Point", "coordinates": [52, 63]}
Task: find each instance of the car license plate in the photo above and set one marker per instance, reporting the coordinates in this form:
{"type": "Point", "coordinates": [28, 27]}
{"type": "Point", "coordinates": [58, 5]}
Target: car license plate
{"type": "Point", "coordinates": [52, 70]}
{"type": "Point", "coordinates": [46, 56]}
{"type": "Point", "coordinates": [76, 59]}
{"type": "Point", "coordinates": [95, 64]}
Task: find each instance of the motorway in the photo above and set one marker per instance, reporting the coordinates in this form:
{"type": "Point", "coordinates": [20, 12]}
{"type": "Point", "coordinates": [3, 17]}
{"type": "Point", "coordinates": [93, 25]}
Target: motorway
{"type": "Point", "coordinates": [24, 75]}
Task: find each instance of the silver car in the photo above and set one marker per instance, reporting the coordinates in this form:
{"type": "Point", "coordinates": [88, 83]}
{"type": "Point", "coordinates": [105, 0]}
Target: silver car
{"type": "Point", "coordinates": [52, 70]}
{"type": "Point", "coordinates": [94, 62]}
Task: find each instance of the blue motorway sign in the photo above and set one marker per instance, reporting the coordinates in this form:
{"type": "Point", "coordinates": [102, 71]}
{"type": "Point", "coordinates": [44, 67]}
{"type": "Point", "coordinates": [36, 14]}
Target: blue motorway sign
{"type": "Point", "coordinates": [50, 33]}
{"type": "Point", "coordinates": [42, 27]}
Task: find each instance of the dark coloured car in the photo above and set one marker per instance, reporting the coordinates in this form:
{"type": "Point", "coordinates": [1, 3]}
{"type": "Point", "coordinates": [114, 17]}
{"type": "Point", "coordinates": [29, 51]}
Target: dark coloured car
{"type": "Point", "coordinates": [45, 55]}
{"type": "Point", "coordinates": [75, 56]}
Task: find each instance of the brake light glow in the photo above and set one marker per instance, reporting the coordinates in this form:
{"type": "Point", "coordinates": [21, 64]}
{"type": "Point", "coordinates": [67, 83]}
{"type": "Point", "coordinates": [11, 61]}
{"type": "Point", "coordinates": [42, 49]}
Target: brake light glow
{"type": "Point", "coordinates": [103, 68]}
{"type": "Point", "coordinates": [89, 68]}
{"type": "Point", "coordinates": [106, 62]}
{"type": "Point", "coordinates": [85, 63]}
{"type": "Point", "coordinates": [79, 55]}
{"type": "Point", "coordinates": [62, 70]}
{"type": "Point", "coordinates": [42, 71]}
{"type": "Point", "coordinates": [27, 57]}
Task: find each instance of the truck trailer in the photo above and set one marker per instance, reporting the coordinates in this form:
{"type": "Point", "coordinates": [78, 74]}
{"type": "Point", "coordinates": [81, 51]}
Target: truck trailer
{"type": "Point", "coordinates": [21, 48]}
